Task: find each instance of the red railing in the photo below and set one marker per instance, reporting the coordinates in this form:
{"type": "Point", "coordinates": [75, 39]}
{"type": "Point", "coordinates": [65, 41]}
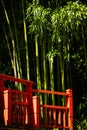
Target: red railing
{"type": "Point", "coordinates": [14, 104]}
{"type": "Point", "coordinates": [21, 108]}
{"type": "Point", "coordinates": [55, 116]}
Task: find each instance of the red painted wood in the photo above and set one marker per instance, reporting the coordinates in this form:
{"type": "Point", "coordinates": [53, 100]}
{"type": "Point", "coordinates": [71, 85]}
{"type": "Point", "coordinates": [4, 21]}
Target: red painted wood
{"type": "Point", "coordinates": [50, 116]}
{"type": "Point", "coordinates": [36, 112]}
{"type": "Point", "coordinates": [22, 108]}
{"type": "Point", "coordinates": [69, 103]}
{"type": "Point", "coordinates": [59, 117]}
{"type": "Point", "coordinates": [50, 92]}
{"type": "Point", "coordinates": [54, 116]}
{"type": "Point", "coordinates": [15, 111]}
{"type": "Point", "coordinates": [11, 78]}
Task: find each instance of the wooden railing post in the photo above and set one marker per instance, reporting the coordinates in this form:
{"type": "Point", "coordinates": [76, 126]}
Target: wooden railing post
{"type": "Point", "coordinates": [69, 103]}
{"type": "Point", "coordinates": [7, 107]}
{"type": "Point", "coordinates": [1, 100]}
{"type": "Point", "coordinates": [35, 115]}
{"type": "Point", "coordinates": [29, 88]}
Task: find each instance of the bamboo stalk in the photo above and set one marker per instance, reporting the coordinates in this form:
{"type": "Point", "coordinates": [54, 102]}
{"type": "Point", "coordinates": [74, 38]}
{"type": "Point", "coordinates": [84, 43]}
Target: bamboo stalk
{"type": "Point", "coordinates": [26, 42]}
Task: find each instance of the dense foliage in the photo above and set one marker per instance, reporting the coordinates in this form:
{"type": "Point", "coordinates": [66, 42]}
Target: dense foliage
{"type": "Point", "coordinates": [46, 41]}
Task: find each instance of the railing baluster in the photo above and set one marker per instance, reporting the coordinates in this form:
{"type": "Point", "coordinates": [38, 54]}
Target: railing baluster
{"type": "Point", "coordinates": [64, 118]}
{"type": "Point", "coordinates": [50, 116]}
{"type": "Point", "coordinates": [15, 108]}
{"type": "Point", "coordinates": [54, 117]}
{"type": "Point", "coordinates": [45, 116]}
{"type": "Point", "coordinates": [59, 117]}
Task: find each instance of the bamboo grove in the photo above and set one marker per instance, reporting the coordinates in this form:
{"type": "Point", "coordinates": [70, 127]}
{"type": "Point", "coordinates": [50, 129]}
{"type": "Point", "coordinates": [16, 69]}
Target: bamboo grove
{"type": "Point", "coordinates": [44, 42]}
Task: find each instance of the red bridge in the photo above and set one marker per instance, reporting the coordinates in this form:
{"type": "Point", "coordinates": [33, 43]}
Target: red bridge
{"type": "Point", "coordinates": [21, 108]}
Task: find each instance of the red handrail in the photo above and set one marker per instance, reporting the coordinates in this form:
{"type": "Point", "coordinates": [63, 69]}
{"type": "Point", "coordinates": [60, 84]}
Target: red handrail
{"type": "Point", "coordinates": [14, 79]}
{"type": "Point", "coordinates": [50, 92]}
